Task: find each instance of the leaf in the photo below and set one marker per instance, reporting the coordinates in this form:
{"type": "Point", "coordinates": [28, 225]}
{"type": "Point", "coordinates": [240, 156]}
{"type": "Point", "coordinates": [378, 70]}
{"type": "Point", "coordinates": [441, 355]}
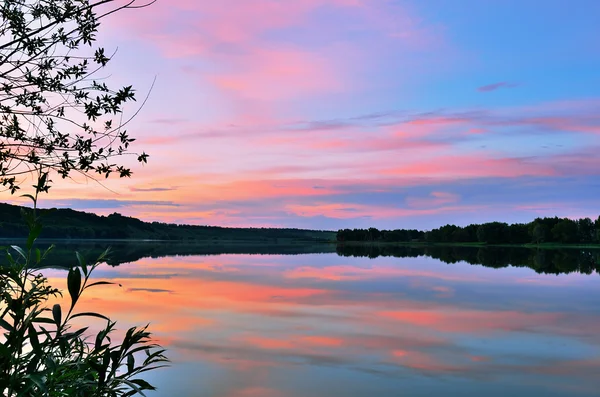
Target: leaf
{"type": "Point", "coordinates": [90, 314]}
{"type": "Point", "coordinates": [43, 320]}
{"type": "Point", "coordinates": [42, 181]}
{"type": "Point", "coordinates": [10, 258]}
{"type": "Point", "coordinates": [134, 386]}
{"type": "Point", "coordinates": [76, 334]}
{"type": "Point", "coordinates": [39, 381]}
{"type": "Point", "coordinates": [50, 363]}
{"type": "Point", "coordinates": [4, 351]}
{"type": "Point", "coordinates": [74, 284]}
{"type": "Point", "coordinates": [153, 368]}
{"type": "Point", "coordinates": [34, 233]}
{"type": "Point", "coordinates": [143, 384]}
{"type": "Point", "coordinates": [45, 332]}
{"type": "Point", "coordinates": [82, 263]}
{"type": "Point", "coordinates": [20, 251]}
{"type": "Point", "coordinates": [4, 324]}
{"type": "Point", "coordinates": [100, 283]}
{"type": "Point", "coordinates": [57, 314]}
{"type": "Point", "coordinates": [102, 257]}
{"type": "Point", "coordinates": [27, 215]}
{"type": "Point", "coordinates": [47, 251]}
{"type": "Point", "coordinates": [29, 196]}
{"type": "Point", "coordinates": [130, 363]}
{"type": "Point", "coordinates": [33, 338]}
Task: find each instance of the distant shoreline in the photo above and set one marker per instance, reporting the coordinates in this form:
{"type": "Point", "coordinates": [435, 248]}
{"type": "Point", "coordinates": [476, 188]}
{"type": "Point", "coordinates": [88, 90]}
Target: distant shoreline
{"type": "Point", "coordinates": [469, 245]}
{"type": "Point", "coordinates": [280, 241]}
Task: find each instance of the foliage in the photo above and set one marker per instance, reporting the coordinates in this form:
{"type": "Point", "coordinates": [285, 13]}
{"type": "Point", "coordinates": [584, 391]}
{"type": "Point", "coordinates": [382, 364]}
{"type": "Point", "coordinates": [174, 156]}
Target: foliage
{"type": "Point", "coordinates": [43, 354]}
{"type": "Point", "coordinates": [541, 230]}
{"type": "Point", "coordinates": [53, 113]}
{"type": "Point", "coordinates": [67, 223]}
{"type": "Point", "coordinates": [55, 116]}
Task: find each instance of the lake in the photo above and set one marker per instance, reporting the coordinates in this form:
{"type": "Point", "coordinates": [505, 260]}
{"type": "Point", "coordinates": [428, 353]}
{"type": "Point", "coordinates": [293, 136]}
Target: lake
{"type": "Point", "coordinates": [325, 324]}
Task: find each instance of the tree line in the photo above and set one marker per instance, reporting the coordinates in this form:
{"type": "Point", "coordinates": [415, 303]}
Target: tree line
{"type": "Point", "coordinates": [70, 224]}
{"type": "Point", "coordinates": [541, 230]}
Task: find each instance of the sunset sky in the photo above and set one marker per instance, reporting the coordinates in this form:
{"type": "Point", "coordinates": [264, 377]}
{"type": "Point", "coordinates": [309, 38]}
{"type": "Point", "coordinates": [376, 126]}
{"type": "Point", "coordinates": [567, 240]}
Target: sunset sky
{"type": "Point", "coordinates": [353, 113]}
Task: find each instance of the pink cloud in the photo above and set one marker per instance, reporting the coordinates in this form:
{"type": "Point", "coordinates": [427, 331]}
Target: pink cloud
{"type": "Point", "coordinates": [271, 74]}
{"type": "Point", "coordinates": [435, 199]}
{"type": "Point", "coordinates": [472, 166]}
{"type": "Point", "coordinates": [238, 56]}
{"type": "Point", "coordinates": [350, 210]}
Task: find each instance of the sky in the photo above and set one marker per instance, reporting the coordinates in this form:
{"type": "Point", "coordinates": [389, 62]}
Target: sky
{"type": "Point", "coordinates": [329, 114]}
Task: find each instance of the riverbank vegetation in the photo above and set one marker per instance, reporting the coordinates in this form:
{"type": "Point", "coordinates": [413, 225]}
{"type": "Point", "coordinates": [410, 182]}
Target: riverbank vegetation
{"type": "Point", "coordinates": [43, 352]}
{"type": "Point", "coordinates": [540, 231]}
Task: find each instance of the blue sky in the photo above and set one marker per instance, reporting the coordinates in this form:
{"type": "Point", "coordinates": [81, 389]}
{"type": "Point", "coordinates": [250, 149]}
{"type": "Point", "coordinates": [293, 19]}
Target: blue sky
{"type": "Point", "coordinates": [342, 113]}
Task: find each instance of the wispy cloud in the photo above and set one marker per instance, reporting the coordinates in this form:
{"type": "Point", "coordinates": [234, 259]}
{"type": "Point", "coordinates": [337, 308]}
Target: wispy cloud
{"type": "Point", "coordinates": [153, 189]}
{"type": "Point", "coordinates": [93, 204]}
{"type": "Point", "coordinates": [330, 113]}
{"type": "Point", "coordinates": [151, 290]}
{"type": "Point", "coordinates": [497, 86]}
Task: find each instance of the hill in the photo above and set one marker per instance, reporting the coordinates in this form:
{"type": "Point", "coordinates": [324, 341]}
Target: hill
{"type": "Point", "coordinates": [71, 224]}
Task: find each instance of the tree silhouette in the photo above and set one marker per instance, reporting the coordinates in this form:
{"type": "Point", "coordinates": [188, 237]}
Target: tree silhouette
{"type": "Point", "coordinates": [54, 115]}
{"type": "Point", "coordinates": [541, 230]}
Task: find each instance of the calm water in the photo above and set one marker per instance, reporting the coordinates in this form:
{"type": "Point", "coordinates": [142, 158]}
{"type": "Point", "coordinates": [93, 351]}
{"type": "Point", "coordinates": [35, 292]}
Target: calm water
{"type": "Point", "coordinates": [243, 325]}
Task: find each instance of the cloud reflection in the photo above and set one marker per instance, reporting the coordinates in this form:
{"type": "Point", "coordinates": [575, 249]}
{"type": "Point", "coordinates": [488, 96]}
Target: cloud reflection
{"type": "Point", "coordinates": [389, 322]}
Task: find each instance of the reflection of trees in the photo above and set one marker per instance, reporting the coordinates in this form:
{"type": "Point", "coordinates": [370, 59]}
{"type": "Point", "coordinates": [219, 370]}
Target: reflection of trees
{"type": "Point", "coordinates": [547, 261]}
{"type": "Point", "coordinates": [125, 252]}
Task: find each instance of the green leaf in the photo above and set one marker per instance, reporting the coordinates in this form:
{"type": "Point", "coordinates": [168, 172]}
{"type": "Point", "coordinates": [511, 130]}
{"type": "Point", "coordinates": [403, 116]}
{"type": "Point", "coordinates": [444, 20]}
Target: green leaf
{"type": "Point", "coordinates": [20, 251]}
{"type": "Point", "coordinates": [82, 263]}
{"type": "Point", "coordinates": [39, 381]}
{"type": "Point", "coordinates": [102, 257]}
{"type": "Point", "coordinates": [74, 284]}
{"type": "Point", "coordinates": [27, 215]}
{"type": "Point", "coordinates": [34, 233]}
{"type": "Point", "coordinates": [50, 363]}
{"type": "Point", "coordinates": [57, 314]}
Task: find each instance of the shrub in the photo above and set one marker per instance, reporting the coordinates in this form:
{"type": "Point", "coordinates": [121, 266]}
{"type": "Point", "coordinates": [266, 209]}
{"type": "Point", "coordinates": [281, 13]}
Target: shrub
{"type": "Point", "coordinates": [43, 354]}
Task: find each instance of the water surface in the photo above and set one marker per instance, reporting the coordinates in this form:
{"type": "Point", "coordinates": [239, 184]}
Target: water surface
{"type": "Point", "coordinates": [242, 325]}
